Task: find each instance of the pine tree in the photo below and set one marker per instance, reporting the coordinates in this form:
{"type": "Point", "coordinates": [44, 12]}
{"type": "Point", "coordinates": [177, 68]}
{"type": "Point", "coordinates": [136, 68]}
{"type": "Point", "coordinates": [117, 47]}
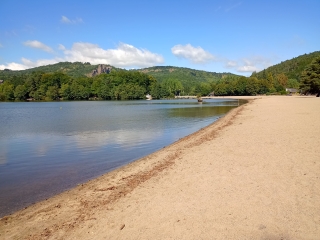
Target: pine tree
{"type": "Point", "coordinates": [310, 78]}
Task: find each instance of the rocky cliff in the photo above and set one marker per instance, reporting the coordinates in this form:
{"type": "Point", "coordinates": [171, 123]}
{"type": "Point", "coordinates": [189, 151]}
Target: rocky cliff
{"type": "Point", "coordinates": [100, 69]}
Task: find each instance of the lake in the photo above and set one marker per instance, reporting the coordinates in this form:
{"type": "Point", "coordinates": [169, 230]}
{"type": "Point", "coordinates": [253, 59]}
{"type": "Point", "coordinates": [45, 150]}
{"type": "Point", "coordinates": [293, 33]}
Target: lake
{"type": "Point", "coordinates": [48, 147]}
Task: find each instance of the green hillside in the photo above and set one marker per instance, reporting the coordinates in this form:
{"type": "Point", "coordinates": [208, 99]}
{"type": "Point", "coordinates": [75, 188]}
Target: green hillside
{"type": "Point", "coordinates": [292, 68]}
{"type": "Point", "coordinates": [160, 73]}
{"type": "Point", "coordinates": [75, 69]}
{"type": "Point", "coordinates": [184, 75]}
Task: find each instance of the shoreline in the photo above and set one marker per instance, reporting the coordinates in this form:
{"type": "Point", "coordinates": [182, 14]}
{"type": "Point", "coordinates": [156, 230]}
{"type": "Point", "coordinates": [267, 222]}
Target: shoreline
{"type": "Point", "coordinates": [129, 201]}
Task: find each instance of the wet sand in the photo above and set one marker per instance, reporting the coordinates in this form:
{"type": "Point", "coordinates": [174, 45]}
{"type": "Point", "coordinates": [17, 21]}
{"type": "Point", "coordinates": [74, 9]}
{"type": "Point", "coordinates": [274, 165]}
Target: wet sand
{"type": "Point", "coordinates": [254, 174]}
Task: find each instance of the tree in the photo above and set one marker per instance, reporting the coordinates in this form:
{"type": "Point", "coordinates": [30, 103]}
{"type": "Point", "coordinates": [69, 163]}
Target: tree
{"type": "Point", "coordinates": [310, 78]}
{"type": "Point", "coordinates": [252, 87]}
{"type": "Point", "coordinates": [172, 86]}
{"type": "Point", "coordinates": [33, 82]}
{"type": "Point", "coordinates": [40, 93]}
{"type": "Point", "coordinates": [221, 89]}
{"type": "Point", "coordinates": [240, 86]}
{"type": "Point", "coordinates": [157, 91]}
{"type": "Point", "coordinates": [52, 93]}
{"type": "Point", "coordinates": [282, 79]}
{"type": "Point", "coordinates": [20, 93]}
{"type": "Point", "coordinates": [264, 86]}
{"type": "Point", "coordinates": [7, 91]}
{"type": "Point", "coordinates": [270, 82]}
{"type": "Point", "coordinates": [293, 83]}
{"type": "Point", "coordinates": [205, 89]}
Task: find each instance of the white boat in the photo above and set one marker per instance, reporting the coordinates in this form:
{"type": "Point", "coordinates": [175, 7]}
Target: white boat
{"type": "Point", "coordinates": [149, 97]}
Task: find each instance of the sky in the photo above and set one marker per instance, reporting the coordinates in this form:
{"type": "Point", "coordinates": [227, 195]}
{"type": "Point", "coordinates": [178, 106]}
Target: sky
{"type": "Point", "coordinates": [237, 36]}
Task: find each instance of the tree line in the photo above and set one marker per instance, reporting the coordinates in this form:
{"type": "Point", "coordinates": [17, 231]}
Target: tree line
{"type": "Point", "coordinates": [123, 85]}
{"type": "Point", "coordinates": [54, 86]}
{"type": "Point", "coordinates": [250, 86]}
{"type": "Point", "coordinates": [116, 85]}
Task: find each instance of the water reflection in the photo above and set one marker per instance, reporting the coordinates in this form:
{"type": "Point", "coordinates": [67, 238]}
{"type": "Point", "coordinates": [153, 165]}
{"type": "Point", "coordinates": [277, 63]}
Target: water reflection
{"type": "Point", "coordinates": [199, 112]}
{"type": "Point", "coordinates": [3, 155]}
{"type": "Point", "coordinates": [125, 138]}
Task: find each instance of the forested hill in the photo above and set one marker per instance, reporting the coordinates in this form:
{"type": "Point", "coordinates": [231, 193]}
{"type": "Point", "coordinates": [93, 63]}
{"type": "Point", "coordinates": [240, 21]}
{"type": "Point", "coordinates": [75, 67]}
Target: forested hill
{"type": "Point", "coordinates": [292, 68]}
{"type": "Point", "coordinates": [161, 73]}
{"type": "Point", "coordinates": [75, 69]}
{"type": "Point", "coordinates": [184, 75]}
{"type": "Point", "coordinates": [78, 81]}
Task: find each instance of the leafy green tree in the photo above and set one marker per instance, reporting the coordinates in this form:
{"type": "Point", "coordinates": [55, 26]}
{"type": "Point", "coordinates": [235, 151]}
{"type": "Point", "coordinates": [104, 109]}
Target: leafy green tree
{"type": "Point", "coordinates": [270, 80]}
{"type": "Point", "coordinates": [20, 93]}
{"type": "Point", "coordinates": [252, 87]}
{"type": "Point", "coordinates": [282, 79]}
{"type": "Point", "coordinates": [264, 86]}
{"type": "Point", "coordinates": [16, 80]}
{"type": "Point", "coordinates": [65, 92]}
{"type": "Point", "coordinates": [7, 91]}
{"type": "Point", "coordinates": [205, 89]}
{"type": "Point", "coordinates": [310, 78]}
{"type": "Point", "coordinates": [221, 89]}
{"type": "Point", "coordinates": [240, 87]}
{"type": "Point", "coordinates": [52, 93]}
{"type": "Point", "coordinates": [96, 87]}
{"type": "Point", "coordinates": [157, 91]}
{"type": "Point", "coordinates": [32, 83]}
{"type": "Point", "coordinates": [105, 91]}
{"type": "Point", "coordinates": [172, 86]}
{"type": "Point", "coordinates": [293, 83]}
{"type": "Point", "coordinates": [40, 93]}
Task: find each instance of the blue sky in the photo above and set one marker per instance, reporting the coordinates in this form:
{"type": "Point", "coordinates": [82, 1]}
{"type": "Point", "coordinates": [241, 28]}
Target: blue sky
{"type": "Point", "coordinates": [238, 36]}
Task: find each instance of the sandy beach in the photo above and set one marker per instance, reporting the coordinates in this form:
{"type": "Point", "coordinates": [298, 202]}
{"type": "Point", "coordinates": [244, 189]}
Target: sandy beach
{"type": "Point", "coordinates": [254, 174]}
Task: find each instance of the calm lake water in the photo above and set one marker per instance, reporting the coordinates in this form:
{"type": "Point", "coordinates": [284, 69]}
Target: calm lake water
{"type": "Point", "coordinates": [48, 147]}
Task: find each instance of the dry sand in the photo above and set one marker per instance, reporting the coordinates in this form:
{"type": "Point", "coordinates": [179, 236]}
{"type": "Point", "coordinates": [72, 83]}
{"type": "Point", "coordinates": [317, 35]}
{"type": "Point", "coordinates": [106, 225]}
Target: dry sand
{"type": "Point", "coordinates": [254, 174]}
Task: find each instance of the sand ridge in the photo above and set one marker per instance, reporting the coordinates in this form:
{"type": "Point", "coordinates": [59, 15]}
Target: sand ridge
{"type": "Point", "coordinates": [254, 174]}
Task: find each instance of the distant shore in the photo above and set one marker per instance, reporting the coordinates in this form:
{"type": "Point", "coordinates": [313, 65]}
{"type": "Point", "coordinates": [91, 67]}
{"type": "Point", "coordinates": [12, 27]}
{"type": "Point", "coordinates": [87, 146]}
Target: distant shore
{"type": "Point", "coordinates": [253, 174]}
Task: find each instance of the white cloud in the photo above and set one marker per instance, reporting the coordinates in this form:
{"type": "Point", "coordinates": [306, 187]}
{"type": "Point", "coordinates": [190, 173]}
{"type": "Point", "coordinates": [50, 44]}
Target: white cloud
{"type": "Point", "coordinates": [233, 6]}
{"type": "Point", "coordinates": [231, 64]}
{"type": "Point", "coordinates": [41, 62]}
{"type": "Point", "coordinates": [66, 20]}
{"type": "Point", "coordinates": [61, 47]}
{"type": "Point", "coordinates": [124, 55]}
{"type": "Point", "coordinates": [247, 69]}
{"type": "Point", "coordinates": [38, 45]}
{"type": "Point", "coordinates": [27, 63]}
{"type": "Point", "coordinates": [254, 63]}
{"type": "Point", "coordinates": [249, 64]}
{"type": "Point", "coordinates": [13, 66]}
{"type": "Point", "coordinates": [194, 54]}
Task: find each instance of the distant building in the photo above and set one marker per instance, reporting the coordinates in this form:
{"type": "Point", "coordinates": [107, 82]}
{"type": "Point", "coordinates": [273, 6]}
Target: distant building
{"type": "Point", "coordinates": [292, 90]}
{"type": "Point", "coordinates": [1, 81]}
